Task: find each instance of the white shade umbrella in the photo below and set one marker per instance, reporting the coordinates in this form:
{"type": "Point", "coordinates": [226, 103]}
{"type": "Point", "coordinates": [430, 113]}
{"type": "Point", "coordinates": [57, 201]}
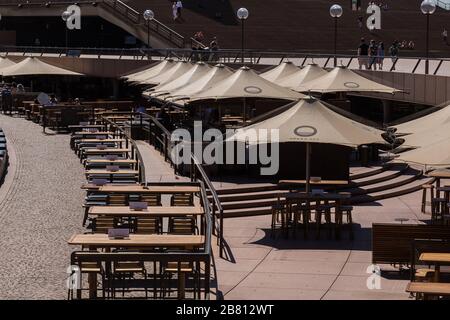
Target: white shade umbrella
{"type": "Point", "coordinates": [179, 69]}
{"type": "Point", "coordinates": [33, 66]}
{"type": "Point", "coordinates": [151, 72]}
{"type": "Point", "coordinates": [5, 62]}
{"type": "Point", "coordinates": [199, 70]}
{"type": "Point", "coordinates": [215, 75]}
{"type": "Point", "coordinates": [427, 123]}
{"type": "Point", "coordinates": [434, 153]}
{"type": "Point", "coordinates": [308, 73]}
{"type": "Point", "coordinates": [311, 121]}
{"type": "Point", "coordinates": [245, 83]}
{"type": "Point", "coordinates": [342, 79]}
{"type": "Point", "coordinates": [281, 71]}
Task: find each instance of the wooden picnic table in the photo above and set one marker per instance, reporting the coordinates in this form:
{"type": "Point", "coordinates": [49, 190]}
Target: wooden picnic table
{"type": "Point", "coordinates": [116, 188]}
{"type": "Point", "coordinates": [429, 289]}
{"type": "Point", "coordinates": [436, 258]}
{"type": "Point", "coordinates": [157, 211]}
{"type": "Point", "coordinates": [98, 240]}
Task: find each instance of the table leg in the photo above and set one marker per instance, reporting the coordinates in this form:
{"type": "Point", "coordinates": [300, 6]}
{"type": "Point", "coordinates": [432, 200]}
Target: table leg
{"type": "Point", "coordinates": [338, 219]}
{"type": "Point", "coordinates": [437, 273]}
{"type": "Point", "coordinates": [181, 285]}
{"type": "Point", "coordinates": [438, 185]}
{"type": "Point", "coordinates": [92, 279]}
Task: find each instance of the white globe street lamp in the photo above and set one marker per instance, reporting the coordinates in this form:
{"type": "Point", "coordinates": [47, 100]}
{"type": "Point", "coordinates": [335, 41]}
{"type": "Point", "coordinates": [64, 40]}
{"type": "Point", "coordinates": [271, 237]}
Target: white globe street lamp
{"type": "Point", "coordinates": [242, 14]}
{"type": "Point", "coordinates": [148, 16]}
{"type": "Point", "coordinates": [428, 7]}
{"type": "Point", "coordinates": [335, 12]}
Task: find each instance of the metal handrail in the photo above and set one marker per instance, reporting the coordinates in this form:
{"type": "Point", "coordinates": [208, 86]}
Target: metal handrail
{"type": "Point", "coordinates": [168, 144]}
{"type": "Point", "coordinates": [216, 204]}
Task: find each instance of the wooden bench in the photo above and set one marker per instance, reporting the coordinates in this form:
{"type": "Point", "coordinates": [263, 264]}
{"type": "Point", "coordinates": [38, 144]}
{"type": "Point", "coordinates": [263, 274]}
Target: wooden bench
{"type": "Point", "coordinates": [392, 243]}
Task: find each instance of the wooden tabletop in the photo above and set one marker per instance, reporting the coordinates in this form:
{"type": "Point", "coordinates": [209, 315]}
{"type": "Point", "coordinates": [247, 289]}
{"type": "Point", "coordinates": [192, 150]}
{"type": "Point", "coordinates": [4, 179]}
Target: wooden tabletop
{"type": "Point", "coordinates": [317, 196]}
{"type": "Point", "coordinates": [164, 211]}
{"type": "Point", "coordinates": [100, 140]}
{"type": "Point", "coordinates": [104, 171]}
{"type": "Point", "coordinates": [435, 257]}
{"type": "Point", "coordinates": [97, 133]}
{"type": "Point", "coordinates": [321, 182]}
{"type": "Point", "coordinates": [118, 161]}
{"type": "Point", "coordinates": [434, 288]}
{"type": "Point", "coordinates": [81, 126]}
{"type": "Point", "coordinates": [94, 187]}
{"type": "Point", "coordinates": [439, 174]}
{"type": "Point", "coordinates": [106, 151]}
{"type": "Point", "coordinates": [149, 189]}
{"type": "Point", "coordinates": [138, 240]}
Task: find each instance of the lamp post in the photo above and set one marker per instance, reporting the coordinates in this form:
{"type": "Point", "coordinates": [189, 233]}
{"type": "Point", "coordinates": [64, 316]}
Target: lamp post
{"type": "Point", "coordinates": [242, 15]}
{"type": "Point", "coordinates": [428, 7]}
{"type": "Point", "coordinates": [148, 16]}
{"type": "Point", "coordinates": [335, 13]}
{"type": "Point", "coordinates": [65, 16]}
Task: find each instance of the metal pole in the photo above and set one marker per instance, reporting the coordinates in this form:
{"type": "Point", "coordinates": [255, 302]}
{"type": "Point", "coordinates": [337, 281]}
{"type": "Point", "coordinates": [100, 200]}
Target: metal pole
{"type": "Point", "coordinates": [308, 167]}
{"type": "Point", "coordinates": [67, 41]}
{"type": "Point", "coordinates": [148, 34]}
{"type": "Point", "coordinates": [335, 41]}
{"type": "Point", "coordinates": [242, 42]}
{"type": "Point", "coordinates": [427, 64]}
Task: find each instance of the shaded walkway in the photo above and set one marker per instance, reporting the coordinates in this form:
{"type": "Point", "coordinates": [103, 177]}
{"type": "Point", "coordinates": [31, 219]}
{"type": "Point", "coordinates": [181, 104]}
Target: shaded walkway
{"type": "Point", "coordinates": [40, 208]}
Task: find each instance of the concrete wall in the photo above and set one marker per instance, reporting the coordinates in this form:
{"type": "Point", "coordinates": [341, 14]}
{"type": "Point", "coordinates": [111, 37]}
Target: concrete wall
{"type": "Point", "coordinates": [420, 88]}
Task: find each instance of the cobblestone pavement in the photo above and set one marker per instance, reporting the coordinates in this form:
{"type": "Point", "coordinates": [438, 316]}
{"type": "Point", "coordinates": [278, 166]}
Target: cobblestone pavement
{"type": "Point", "coordinates": [40, 208]}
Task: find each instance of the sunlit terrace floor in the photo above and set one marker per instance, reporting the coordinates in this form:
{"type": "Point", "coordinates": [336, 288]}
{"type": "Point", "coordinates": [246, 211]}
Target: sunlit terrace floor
{"type": "Point", "coordinates": [260, 267]}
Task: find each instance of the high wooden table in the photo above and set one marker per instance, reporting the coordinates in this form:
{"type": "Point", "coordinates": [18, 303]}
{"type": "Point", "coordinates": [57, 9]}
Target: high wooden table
{"type": "Point", "coordinates": [151, 211]}
{"type": "Point", "coordinates": [439, 174]}
{"type": "Point", "coordinates": [111, 174]}
{"type": "Point", "coordinates": [295, 197]}
{"type": "Point", "coordinates": [93, 133]}
{"type": "Point", "coordinates": [94, 241]}
{"type": "Point", "coordinates": [138, 241]}
{"type": "Point", "coordinates": [429, 289]}
{"type": "Point", "coordinates": [437, 259]}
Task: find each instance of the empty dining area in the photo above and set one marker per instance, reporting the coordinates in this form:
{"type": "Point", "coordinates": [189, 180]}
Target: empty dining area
{"type": "Point", "coordinates": [141, 239]}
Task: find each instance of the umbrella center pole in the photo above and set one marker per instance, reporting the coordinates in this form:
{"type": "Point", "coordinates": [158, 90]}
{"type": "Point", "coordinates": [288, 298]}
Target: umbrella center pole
{"type": "Point", "coordinates": [308, 167]}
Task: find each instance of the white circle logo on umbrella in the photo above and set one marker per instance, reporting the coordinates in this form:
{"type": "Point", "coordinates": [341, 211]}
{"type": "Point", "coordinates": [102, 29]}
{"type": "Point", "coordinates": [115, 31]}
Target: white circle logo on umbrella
{"type": "Point", "coordinates": [305, 131]}
{"type": "Point", "coordinates": [252, 89]}
{"type": "Point", "coordinates": [351, 85]}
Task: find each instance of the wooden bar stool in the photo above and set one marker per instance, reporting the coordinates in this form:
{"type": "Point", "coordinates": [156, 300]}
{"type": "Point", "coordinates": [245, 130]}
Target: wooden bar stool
{"type": "Point", "coordinates": [426, 187]}
{"type": "Point", "coordinates": [278, 217]}
{"type": "Point", "coordinates": [346, 210]}
{"type": "Point", "coordinates": [438, 209]}
{"type": "Point", "coordinates": [323, 210]}
{"type": "Point", "coordinates": [302, 212]}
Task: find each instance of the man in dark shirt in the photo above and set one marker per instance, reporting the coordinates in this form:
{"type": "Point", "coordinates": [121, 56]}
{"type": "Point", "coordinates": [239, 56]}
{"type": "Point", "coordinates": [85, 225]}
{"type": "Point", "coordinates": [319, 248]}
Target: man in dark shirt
{"type": "Point", "coordinates": [363, 52]}
{"type": "Point", "coordinates": [373, 52]}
